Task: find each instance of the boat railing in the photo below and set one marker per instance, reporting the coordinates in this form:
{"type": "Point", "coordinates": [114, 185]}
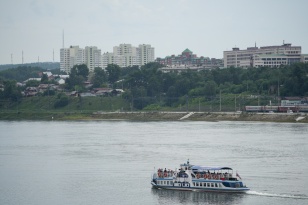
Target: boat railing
{"type": "Point", "coordinates": [165, 173]}
{"type": "Point", "coordinates": [214, 176]}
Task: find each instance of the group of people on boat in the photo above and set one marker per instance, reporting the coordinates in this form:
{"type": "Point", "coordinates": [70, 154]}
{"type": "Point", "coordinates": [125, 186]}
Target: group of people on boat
{"type": "Point", "coordinates": [208, 175]}
{"type": "Point", "coordinates": [165, 173]}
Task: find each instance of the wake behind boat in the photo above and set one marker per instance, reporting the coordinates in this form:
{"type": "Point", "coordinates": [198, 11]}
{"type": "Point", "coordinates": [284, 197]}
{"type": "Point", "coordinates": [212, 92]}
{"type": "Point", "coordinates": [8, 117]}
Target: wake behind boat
{"type": "Point", "coordinates": [198, 178]}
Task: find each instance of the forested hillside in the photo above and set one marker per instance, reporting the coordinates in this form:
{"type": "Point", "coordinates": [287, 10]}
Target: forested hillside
{"type": "Point", "coordinates": [148, 86]}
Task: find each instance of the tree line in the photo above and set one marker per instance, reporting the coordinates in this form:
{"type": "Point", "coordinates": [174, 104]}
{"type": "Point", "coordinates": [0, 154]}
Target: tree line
{"type": "Point", "coordinates": [148, 84]}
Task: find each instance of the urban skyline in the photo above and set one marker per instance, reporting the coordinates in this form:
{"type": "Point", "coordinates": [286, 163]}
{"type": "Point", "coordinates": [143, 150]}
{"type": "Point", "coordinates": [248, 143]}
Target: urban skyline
{"type": "Point", "coordinates": [205, 27]}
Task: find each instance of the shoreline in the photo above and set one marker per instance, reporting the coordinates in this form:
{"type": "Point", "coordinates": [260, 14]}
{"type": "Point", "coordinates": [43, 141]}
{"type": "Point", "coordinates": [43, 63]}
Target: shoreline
{"type": "Point", "coordinates": [157, 116]}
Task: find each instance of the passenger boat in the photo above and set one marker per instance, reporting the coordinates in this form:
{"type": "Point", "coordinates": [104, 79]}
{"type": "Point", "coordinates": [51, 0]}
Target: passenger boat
{"type": "Point", "coordinates": [198, 178]}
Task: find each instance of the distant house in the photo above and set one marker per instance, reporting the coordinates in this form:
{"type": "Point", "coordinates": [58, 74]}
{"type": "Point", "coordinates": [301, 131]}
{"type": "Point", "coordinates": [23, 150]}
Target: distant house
{"type": "Point", "coordinates": [43, 87]}
{"type": "Point", "coordinates": [49, 74]}
{"type": "Point", "coordinates": [64, 76]}
{"type": "Point", "coordinates": [30, 91]}
{"type": "Point", "coordinates": [60, 81]}
{"type": "Point", "coordinates": [102, 91]}
{"type": "Point", "coordinates": [37, 79]}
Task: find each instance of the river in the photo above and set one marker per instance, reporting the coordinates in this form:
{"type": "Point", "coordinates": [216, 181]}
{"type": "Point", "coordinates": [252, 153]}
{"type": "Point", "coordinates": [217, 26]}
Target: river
{"type": "Point", "coordinates": [110, 162]}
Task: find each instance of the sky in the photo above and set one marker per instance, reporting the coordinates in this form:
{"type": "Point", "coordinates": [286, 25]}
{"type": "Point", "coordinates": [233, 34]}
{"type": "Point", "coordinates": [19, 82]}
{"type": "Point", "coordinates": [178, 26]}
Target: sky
{"type": "Point", "coordinates": [206, 27]}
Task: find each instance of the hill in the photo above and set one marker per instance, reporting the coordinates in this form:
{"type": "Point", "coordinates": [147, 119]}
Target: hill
{"type": "Point", "coordinates": [43, 65]}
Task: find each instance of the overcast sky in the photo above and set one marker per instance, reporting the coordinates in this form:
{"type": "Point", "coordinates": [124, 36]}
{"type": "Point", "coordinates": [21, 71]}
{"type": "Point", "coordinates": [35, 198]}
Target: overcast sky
{"type": "Point", "coordinates": [206, 27]}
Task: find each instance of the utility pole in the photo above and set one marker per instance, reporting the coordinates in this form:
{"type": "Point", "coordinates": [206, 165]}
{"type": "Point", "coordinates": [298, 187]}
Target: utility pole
{"type": "Point", "coordinates": [235, 103]}
{"type": "Point", "coordinates": [219, 100]}
{"type": "Point", "coordinates": [278, 92]}
{"type": "Point", "coordinates": [186, 103]}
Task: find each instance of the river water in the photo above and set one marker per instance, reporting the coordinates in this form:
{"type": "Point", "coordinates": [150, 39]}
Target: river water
{"type": "Point", "coordinates": [110, 162]}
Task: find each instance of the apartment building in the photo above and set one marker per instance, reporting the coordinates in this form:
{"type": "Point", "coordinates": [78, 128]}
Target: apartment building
{"type": "Point", "coordinates": [146, 54]}
{"type": "Point", "coordinates": [271, 56]}
{"type": "Point", "coordinates": [126, 55]}
{"type": "Point", "coordinates": [91, 56]}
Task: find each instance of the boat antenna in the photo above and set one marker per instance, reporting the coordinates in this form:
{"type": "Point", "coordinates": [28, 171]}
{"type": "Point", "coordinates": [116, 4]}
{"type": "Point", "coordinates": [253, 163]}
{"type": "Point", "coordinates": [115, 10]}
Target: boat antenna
{"type": "Point", "coordinates": [187, 161]}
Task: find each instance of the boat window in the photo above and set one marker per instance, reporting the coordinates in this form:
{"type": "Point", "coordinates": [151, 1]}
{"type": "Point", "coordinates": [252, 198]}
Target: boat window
{"type": "Point", "coordinates": [204, 184]}
{"type": "Point", "coordinates": [226, 184]}
{"type": "Point", "coordinates": [197, 184]}
{"type": "Point", "coordinates": [171, 183]}
{"type": "Point", "coordinates": [216, 185]}
{"type": "Point", "coordinates": [194, 183]}
{"type": "Point", "coordinates": [212, 184]}
{"type": "Point", "coordinates": [167, 182]}
{"type": "Point", "coordinates": [208, 184]}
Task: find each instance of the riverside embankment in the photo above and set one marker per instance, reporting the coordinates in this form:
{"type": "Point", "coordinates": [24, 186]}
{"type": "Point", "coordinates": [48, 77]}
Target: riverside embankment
{"type": "Point", "coordinates": [158, 116]}
{"type": "Point", "coordinates": [202, 116]}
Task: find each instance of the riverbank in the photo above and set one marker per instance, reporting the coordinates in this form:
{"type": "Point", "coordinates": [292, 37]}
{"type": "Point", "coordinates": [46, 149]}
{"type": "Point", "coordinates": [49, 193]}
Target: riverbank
{"type": "Point", "coordinates": [204, 116]}
{"type": "Point", "coordinates": [157, 116]}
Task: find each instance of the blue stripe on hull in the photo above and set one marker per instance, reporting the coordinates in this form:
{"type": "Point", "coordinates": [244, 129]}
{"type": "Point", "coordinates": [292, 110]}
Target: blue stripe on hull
{"type": "Point", "coordinates": [202, 189]}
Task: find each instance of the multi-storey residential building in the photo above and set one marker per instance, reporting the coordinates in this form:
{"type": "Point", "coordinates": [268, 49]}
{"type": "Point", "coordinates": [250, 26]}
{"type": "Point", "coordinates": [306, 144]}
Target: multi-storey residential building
{"type": "Point", "coordinates": [77, 56]}
{"type": "Point", "coordinates": [126, 55]}
{"type": "Point", "coordinates": [271, 56]}
{"type": "Point", "coordinates": [91, 56]}
{"type": "Point", "coordinates": [146, 54]}
{"type": "Point", "coordinates": [65, 60]}
{"type": "Point", "coordinates": [188, 59]}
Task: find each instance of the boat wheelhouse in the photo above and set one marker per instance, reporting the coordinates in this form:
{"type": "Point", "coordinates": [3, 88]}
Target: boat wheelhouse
{"type": "Point", "coordinates": [198, 178]}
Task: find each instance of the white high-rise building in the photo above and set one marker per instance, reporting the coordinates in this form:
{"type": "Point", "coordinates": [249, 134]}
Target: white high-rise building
{"type": "Point", "coordinates": [126, 55]}
{"type": "Point", "coordinates": [93, 57]}
{"type": "Point", "coordinates": [65, 60]}
{"type": "Point", "coordinates": [146, 54]}
{"type": "Point", "coordinates": [77, 56]}
{"type": "Point", "coordinates": [71, 56]}
{"type": "Point", "coordinates": [271, 56]}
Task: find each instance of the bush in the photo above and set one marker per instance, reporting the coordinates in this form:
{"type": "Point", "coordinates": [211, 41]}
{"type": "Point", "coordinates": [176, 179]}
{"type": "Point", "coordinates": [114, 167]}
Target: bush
{"type": "Point", "coordinates": [62, 102]}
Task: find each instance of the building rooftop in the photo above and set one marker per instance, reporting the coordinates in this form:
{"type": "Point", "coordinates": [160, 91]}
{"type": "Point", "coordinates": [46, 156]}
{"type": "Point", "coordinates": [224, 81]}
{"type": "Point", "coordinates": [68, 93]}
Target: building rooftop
{"type": "Point", "coordinates": [187, 51]}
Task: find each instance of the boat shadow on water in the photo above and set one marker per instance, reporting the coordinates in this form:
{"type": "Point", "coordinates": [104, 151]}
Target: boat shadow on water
{"type": "Point", "coordinates": [197, 197]}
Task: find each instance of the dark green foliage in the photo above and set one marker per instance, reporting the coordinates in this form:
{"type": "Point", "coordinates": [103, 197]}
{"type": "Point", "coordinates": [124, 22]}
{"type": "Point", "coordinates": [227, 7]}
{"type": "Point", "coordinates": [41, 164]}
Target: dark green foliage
{"type": "Point", "coordinates": [11, 91]}
{"type": "Point", "coordinates": [21, 73]}
{"type": "Point", "coordinates": [114, 72]}
{"type": "Point", "coordinates": [49, 92]}
{"type": "Point", "coordinates": [78, 76]}
{"type": "Point", "coordinates": [44, 79]}
{"type": "Point", "coordinates": [99, 78]}
{"type": "Point", "coordinates": [62, 100]}
{"type": "Point", "coordinates": [32, 83]}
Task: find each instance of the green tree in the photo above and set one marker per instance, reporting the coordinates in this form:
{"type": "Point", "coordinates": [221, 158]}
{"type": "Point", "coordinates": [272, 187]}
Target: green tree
{"type": "Point", "coordinates": [80, 70]}
{"type": "Point", "coordinates": [44, 79]}
{"type": "Point", "coordinates": [114, 72]}
{"type": "Point", "coordinates": [99, 78]}
{"type": "Point", "coordinates": [32, 83]}
{"type": "Point", "coordinates": [78, 76]}
{"type": "Point", "coordinates": [11, 91]}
